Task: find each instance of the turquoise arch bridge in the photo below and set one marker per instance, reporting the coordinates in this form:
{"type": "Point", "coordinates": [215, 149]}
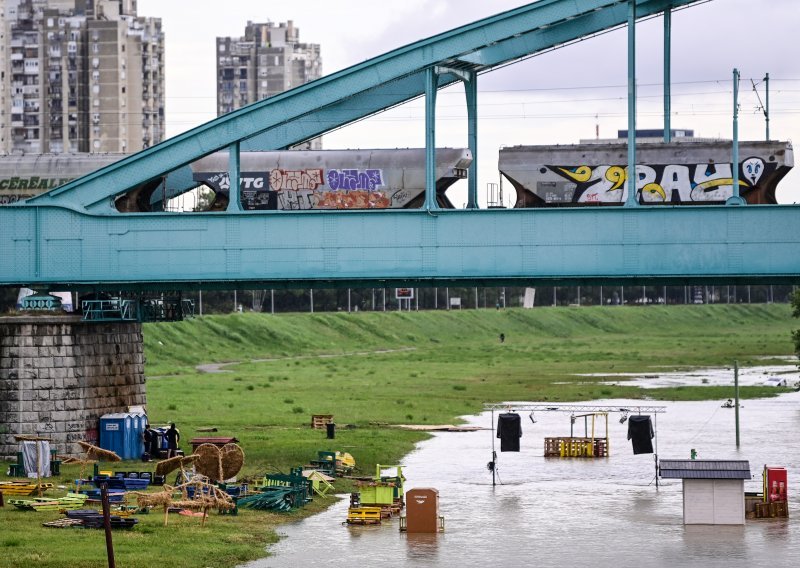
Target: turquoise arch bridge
{"type": "Point", "coordinates": [73, 236]}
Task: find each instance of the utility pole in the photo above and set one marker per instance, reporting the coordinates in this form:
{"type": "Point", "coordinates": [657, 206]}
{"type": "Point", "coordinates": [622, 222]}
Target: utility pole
{"type": "Point", "coordinates": [764, 107]}
{"type": "Point", "coordinates": [736, 394]}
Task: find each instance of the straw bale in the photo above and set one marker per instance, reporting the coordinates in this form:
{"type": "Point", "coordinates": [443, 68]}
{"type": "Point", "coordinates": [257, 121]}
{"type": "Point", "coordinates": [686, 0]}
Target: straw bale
{"type": "Point", "coordinates": [72, 460]}
{"type": "Point", "coordinates": [28, 438]}
{"type": "Point", "coordinates": [232, 460]}
{"type": "Point", "coordinates": [219, 464]}
{"type": "Point", "coordinates": [154, 499]}
{"type": "Point", "coordinates": [93, 452]}
{"type": "Point", "coordinates": [206, 496]}
{"type": "Point", "coordinates": [169, 465]}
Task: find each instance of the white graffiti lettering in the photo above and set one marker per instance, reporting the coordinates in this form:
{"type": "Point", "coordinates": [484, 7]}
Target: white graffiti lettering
{"type": "Point", "coordinates": [295, 180]}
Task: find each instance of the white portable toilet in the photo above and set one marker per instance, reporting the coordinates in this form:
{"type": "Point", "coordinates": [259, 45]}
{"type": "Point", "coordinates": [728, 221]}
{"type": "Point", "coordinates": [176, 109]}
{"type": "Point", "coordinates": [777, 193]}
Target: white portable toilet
{"type": "Point", "coordinates": [713, 490]}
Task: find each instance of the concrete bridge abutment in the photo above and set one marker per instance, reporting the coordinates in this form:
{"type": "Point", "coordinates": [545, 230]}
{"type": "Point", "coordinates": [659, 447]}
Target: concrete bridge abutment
{"type": "Point", "coordinates": [58, 375]}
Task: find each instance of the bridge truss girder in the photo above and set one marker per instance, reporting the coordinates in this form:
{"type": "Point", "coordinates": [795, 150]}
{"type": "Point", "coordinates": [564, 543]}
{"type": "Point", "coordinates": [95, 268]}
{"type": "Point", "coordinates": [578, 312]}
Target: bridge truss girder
{"type": "Point", "coordinates": [62, 249]}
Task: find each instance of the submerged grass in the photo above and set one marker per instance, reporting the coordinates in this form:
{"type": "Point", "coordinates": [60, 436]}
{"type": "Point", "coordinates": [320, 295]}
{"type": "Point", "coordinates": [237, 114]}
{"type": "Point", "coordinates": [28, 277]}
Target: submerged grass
{"type": "Point", "coordinates": [371, 370]}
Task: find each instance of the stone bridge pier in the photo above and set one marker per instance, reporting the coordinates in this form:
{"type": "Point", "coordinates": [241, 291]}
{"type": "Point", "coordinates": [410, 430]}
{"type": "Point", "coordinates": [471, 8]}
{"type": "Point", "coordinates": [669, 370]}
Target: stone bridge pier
{"type": "Point", "coordinates": [58, 375]}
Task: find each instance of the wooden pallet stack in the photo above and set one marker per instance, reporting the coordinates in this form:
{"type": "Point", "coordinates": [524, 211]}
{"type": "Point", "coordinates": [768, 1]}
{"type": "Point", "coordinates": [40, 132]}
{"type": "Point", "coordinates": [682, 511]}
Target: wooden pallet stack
{"type": "Point", "coordinates": [572, 447]}
{"type": "Point", "coordinates": [771, 510]}
{"type": "Point", "coordinates": [71, 501]}
{"type": "Point", "coordinates": [23, 488]}
{"type": "Point", "coordinates": [321, 421]}
{"type": "Point", "coordinates": [364, 516]}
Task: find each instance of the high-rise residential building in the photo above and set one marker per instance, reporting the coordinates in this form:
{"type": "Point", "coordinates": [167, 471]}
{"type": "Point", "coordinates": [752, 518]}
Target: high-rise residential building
{"type": "Point", "coordinates": [268, 60]}
{"type": "Point", "coordinates": [80, 76]}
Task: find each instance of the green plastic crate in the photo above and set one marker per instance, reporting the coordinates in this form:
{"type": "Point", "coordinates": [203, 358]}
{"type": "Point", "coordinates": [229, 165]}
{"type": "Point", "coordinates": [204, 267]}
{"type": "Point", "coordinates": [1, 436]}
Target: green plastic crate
{"type": "Point", "coordinates": [377, 495]}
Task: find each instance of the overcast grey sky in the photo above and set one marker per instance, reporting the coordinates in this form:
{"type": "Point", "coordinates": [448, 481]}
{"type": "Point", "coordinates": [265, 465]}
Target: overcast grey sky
{"type": "Point", "coordinates": [558, 97]}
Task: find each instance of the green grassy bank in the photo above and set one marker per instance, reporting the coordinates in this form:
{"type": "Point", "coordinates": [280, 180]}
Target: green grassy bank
{"type": "Point", "coordinates": [372, 370]}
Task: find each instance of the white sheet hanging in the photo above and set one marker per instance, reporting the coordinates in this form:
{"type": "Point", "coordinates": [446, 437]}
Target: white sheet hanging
{"type": "Point", "coordinates": [29, 459]}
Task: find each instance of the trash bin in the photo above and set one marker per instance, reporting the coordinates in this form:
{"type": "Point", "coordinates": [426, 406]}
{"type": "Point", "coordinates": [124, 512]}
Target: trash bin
{"type": "Point", "coordinates": [331, 429]}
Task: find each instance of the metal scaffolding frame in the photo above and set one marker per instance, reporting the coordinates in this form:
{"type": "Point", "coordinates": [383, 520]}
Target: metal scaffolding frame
{"type": "Point", "coordinates": [542, 407]}
{"type": "Point", "coordinates": [571, 408]}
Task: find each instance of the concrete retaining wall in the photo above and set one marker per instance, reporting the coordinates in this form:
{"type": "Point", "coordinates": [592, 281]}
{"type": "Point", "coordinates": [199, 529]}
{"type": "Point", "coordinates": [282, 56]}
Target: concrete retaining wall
{"type": "Point", "coordinates": [58, 375]}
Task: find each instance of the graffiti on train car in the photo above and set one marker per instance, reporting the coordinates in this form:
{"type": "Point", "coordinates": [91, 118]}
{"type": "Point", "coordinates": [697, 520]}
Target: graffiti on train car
{"type": "Point", "coordinates": [308, 188]}
{"type": "Point", "coordinates": [16, 188]}
{"type": "Point", "coordinates": [354, 179]}
{"type": "Point", "coordinates": [670, 183]}
{"type": "Point", "coordinates": [34, 183]}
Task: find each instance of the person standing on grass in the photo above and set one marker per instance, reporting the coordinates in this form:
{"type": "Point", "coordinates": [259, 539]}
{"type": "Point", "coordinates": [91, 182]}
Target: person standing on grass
{"type": "Point", "coordinates": [173, 437]}
{"type": "Point", "coordinates": [147, 436]}
{"type": "Point", "coordinates": [155, 447]}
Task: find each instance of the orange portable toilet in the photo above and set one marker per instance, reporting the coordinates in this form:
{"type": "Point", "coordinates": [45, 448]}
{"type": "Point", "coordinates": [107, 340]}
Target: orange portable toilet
{"type": "Point", "coordinates": [422, 510]}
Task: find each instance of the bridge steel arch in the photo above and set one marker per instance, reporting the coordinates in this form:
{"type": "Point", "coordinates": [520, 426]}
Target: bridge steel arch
{"type": "Point", "coordinates": [73, 236]}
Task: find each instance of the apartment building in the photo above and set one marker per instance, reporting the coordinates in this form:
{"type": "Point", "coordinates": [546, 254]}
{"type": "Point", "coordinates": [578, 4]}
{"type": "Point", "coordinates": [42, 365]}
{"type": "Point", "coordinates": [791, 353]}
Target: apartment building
{"type": "Point", "coordinates": [268, 60]}
{"type": "Point", "coordinates": [80, 76]}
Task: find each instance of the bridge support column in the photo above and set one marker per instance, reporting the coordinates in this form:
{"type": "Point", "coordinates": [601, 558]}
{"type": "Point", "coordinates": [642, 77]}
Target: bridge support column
{"type": "Point", "coordinates": [234, 175]}
{"type": "Point", "coordinates": [633, 179]}
{"type": "Point", "coordinates": [471, 90]}
{"type": "Point", "coordinates": [58, 375]}
{"type": "Point", "coordinates": [431, 82]}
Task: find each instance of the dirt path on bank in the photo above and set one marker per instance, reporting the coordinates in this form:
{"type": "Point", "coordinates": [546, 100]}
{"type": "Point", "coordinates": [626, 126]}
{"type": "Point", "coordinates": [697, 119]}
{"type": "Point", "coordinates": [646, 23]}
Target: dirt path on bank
{"type": "Point", "coordinates": [220, 367]}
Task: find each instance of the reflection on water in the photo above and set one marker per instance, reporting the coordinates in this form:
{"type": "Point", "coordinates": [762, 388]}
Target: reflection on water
{"type": "Point", "coordinates": [580, 512]}
{"type": "Point", "coordinates": [423, 547]}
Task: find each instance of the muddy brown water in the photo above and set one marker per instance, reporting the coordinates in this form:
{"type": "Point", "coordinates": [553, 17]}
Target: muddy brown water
{"type": "Point", "coordinates": [575, 512]}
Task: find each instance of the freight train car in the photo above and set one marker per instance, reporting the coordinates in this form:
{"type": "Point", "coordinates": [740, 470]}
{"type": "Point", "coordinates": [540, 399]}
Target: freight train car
{"type": "Point", "coordinates": [686, 171]}
{"type": "Point", "coordinates": [280, 180]}
{"type": "Point", "coordinates": [25, 175]}
{"type": "Point", "coordinates": [333, 179]}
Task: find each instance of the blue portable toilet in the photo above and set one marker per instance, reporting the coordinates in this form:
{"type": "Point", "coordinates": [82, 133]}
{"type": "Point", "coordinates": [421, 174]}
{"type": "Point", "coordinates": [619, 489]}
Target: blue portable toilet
{"type": "Point", "coordinates": [136, 435]}
{"type": "Point", "coordinates": [130, 432]}
{"type": "Point", "coordinates": [112, 433]}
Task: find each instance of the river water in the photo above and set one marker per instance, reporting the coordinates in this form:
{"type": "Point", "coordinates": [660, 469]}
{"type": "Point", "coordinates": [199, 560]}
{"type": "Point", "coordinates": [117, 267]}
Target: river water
{"type": "Point", "coordinates": [579, 512]}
